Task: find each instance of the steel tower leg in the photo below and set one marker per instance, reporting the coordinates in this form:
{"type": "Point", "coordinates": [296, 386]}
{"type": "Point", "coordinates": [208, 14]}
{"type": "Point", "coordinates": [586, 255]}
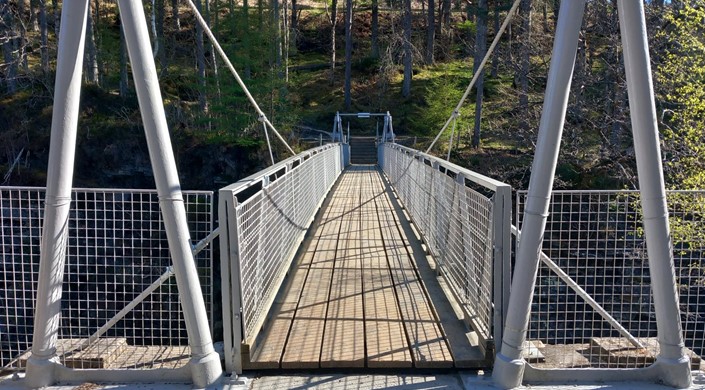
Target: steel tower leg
{"type": "Point", "coordinates": [674, 364]}
{"type": "Point", "coordinates": [62, 152]}
{"type": "Point", "coordinates": [508, 369]}
{"type": "Point", "coordinates": [205, 362]}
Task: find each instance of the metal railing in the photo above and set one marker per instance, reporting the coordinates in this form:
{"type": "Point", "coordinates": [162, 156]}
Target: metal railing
{"type": "Point", "coordinates": [596, 239]}
{"type": "Point", "coordinates": [120, 306]}
{"type": "Point", "coordinates": [263, 220]}
{"type": "Point", "coordinates": [464, 219]}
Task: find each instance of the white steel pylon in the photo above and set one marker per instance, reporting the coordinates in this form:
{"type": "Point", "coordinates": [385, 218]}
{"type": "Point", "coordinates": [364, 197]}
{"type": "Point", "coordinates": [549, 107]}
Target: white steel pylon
{"type": "Point", "coordinates": [672, 366]}
{"type": "Point", "coordinates": [43, 368]}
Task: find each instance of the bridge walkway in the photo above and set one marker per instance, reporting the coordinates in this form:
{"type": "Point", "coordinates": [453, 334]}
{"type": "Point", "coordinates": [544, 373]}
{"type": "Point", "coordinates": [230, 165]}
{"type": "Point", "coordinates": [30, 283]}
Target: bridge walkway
{"type": "Point", "coordinates": [361, 292]}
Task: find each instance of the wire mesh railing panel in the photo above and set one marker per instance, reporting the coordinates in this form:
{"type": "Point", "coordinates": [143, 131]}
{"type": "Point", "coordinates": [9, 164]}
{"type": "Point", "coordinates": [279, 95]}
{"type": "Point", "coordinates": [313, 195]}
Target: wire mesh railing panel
{"type": "Point", "coordinates": [272, 222]}
{"type": "Point", "coordinates": [456, 223]}
{"type": "Point", "coordinates": [596, 239]}
{"type": "Point", "coordinates": [116, 249]}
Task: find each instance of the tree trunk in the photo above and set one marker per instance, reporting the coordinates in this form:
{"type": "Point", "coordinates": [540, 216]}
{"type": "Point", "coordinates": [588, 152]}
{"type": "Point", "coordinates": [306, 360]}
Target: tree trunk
{"type": "Point", "coordinates": [260, 13]}
{"type": "Point", "coordinates": [495, 56]}
{"type": "Point", "coordinates": [161, 54]}
{"type": "Point", "coordinates": [556, 9]}
{"type": "Point", "coordinates": [246, 38]}
{"type": "Point", "coordinates": [446, 14]}
{"type": "Point", "coordinates": [6, 31]}
{"type": "Point", "coordinates": [33, 11]}
{"type": "Point", "coordinates": [44, 49]}
{"type": "Point", "coordinates": [408, 71]}
{"type": "Point", "coordinates": [580, 77]}
{"type": "Point", "coordinates": [201, 64]}
{"type": "Point", "coordinates": [544, 8]}
{"type": "Point", "coordinates": [175, 15]}
{"type": "Point", "coordinates": [285, 33]}
{"type": "Point", "coordinates": [375, 29]}
{"type": "Point", "coordinates": [123, 65]}
{"type": "Point", "coordinates": [524, 61]}
{"type": "Point", "coordinates": [348, 52]}
{"type": "Point", "coordinates": [91, 63]}
{"type": "Point", "coordinates": [57, 16]}
{"type": "Point", "coordinates": [155, 36]}
{"type": "Point", "coordinates": [20, 43]}
{"type": "Point", "coordinates": [430, 31]}
{"type": "Point", "coordinates": [470, 14]}
{"type": "Point", "coordinates": [333, 24]}
{"type": "Point", "coordinates": [276, 17]}
{"type": "Point", "coordinates": [480, 50]}
{"type": "Point", "coordinates": [294, 26]}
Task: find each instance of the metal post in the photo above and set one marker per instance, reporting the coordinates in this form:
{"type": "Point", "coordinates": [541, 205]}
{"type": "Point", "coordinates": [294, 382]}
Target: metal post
{"type": "Point", "coordinates": [335, 127]}
{"type": "Point", "coordinates": [348, 138]}
{"type": "Point", "coordinates": [205, 362]}
{"type": "Point", "coordinates": [509, 366]}
{"type": "Point", "coordinates": [502, 248]}
{"type": "Point", "coordinates": [391, 128]}
{"type": "Point", "coordinates": [62, 152]}
{"type": "Point", "coordinates": [675, 364]}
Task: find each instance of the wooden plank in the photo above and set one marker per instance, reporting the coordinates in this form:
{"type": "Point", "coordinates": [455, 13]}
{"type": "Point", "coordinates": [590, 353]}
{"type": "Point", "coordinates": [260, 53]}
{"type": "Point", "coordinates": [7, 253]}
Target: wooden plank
{"type": "Point", "coordinates": [387, 345]}
{"type": "Point", "coordinates": [268, 356]}
{"type": "Point", "coordinates": [303, 348]}
{"type": "Point", "coordinates": [427, 342]}
{"type": "Point", "coordinates": [344, 338]}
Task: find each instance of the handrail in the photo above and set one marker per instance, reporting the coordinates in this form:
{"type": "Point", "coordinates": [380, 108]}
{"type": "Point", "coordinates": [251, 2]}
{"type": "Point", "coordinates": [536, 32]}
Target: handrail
{"type": "Point", "coordinates": [475, 177]}
{"type": "Point", "coordinates": [255, 178]}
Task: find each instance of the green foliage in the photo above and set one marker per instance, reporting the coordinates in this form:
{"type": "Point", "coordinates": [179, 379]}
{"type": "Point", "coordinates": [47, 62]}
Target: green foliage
{"type": "Point", "coordinates": [231, 119]}
{"type": "Point", "coordinates": [681, 78]}
{"type": "Point", "coordinates": [468, 26]}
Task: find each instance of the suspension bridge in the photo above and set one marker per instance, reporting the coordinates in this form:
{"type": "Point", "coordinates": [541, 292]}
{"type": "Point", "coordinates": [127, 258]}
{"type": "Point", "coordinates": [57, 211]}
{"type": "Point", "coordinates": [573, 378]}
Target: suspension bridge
{"type": "Point", "coordinates": [359, 254]}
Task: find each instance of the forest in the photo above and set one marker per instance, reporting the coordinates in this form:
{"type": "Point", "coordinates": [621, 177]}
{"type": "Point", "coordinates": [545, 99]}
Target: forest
{"type": "Point", "coordinates": [303, 60]}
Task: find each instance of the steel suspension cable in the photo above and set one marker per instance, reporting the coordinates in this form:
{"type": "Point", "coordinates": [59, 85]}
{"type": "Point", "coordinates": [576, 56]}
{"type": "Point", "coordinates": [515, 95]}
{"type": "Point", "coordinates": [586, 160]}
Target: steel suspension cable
{"type": "Point", "coordinates": [219, 49]}
{"type": "Point", "coordinates": [456, 112]}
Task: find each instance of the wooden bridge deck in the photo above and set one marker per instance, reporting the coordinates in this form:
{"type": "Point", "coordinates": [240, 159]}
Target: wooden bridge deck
{"type": "Point", "coordinates": [361, 293]}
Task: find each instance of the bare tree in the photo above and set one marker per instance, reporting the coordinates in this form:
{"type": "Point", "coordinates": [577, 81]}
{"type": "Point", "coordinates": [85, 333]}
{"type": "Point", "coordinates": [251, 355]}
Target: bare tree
{"type": "Point", "coordinates": [408, 55]}
{"type": "Point", "coordinates": [495, 57]}
{"type": "Point", "coordinates": [348, 51]}
{"type": "Point", "coordinates": [57, 16]}
{"type": "Point", "coordinates": [333, 23]}
{"type": "Point", "coordinates": [430, 31]}
{"type": "Point", "coordinates": [7, 38]}
{"type": "Point", "coordinates": [375, 29]}
{"type": "Point", "coordinates": [444, 15]}
{"type": "Point", "coordinates": [175, 15]}
{"type": "Point", "coordinates": [480, 50]}
{"type": "Point", "coordinates": [524, 60]}
{"type": "Point", "coordinates": [124, 80]}
{"type": "Point", "coordinates": [160, 41]}
{"type": "Point", "coordinates": [44, 36]}
{"type": "Point", "coordinates": [201, 64]}
{"type": "Point", "coordinates": [276, 17]}
{"type": "Point", "coordinates": [294, 26]}
{"type": "Point", "coordinates": [285, 33]}
{"type": "Point", "coordinates": [91, 60]}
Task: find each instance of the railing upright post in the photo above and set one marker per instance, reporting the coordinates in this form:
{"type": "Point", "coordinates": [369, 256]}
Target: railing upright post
{"type": "Point", "coordinates": [673, 362]}
{"type": "Point", "coordinates": [231, 284]}
{"type": "Point", "coordinates": [502, 248]}
{"type": "Point", "coordinates": [62, 152]}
